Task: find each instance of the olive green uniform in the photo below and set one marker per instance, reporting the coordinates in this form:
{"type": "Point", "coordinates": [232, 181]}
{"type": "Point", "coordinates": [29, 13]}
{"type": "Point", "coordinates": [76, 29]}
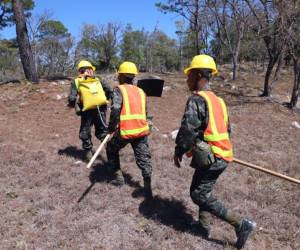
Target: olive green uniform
{"type": "Point", "coordinates": [90, 117]}
{"type": "Point", "coordinates": [139, 145]}
{"type": "Point", "coordinates": [193, 125]}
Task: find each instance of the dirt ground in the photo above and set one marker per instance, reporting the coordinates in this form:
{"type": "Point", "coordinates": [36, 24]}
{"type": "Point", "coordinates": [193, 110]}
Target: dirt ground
{"type": "Point", "coordinates": [49, 200]}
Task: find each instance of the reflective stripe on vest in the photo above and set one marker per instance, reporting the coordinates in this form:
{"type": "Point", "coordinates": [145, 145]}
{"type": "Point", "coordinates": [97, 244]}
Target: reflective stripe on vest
{"type": "Point", "coordinates": [133, 122]}
{"type": "Point", "coordinates": [216, 133]}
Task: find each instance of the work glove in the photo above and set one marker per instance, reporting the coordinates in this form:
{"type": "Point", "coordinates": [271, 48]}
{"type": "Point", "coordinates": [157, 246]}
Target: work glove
{"type": "Point", "coordinates": [150, 123]}
{"type": "Point", "coordinates": [77, 109]}
{"type": "Point", "coordinates": [111, 130]}
{"type": "Point", "coordinates": [103, 135]}
{"type": "Point", "coordinates": [177, 160]}
{"type": "Point", "coordinates": [71, 104]}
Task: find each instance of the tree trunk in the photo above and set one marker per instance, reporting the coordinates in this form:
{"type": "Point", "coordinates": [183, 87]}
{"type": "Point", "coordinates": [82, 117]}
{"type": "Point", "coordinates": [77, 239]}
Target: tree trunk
{"type": "Point", "coordinates": [234, 67]}
{"type": "Point", "coordinates": [197, 42]}
{"type": "Point", "coordinates": [267, 85]}
{"type": "Point", "coordinates": [277, 71]}
{"type": "Point", "coordinates": [295, 93]}
{"type": "Point", "coordinates": [196, 23]}
{"type": "Point", "coordinates": [23, 42]}
{"type": "Point", "coordinates": [180, 65]}
{"type": "Point", "coordinates": [235, 58]}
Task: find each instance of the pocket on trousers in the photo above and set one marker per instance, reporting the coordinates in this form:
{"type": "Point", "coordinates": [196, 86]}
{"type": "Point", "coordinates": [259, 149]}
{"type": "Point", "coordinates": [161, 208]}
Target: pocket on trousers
{"type": "Point", "coordinates": [203, 157]}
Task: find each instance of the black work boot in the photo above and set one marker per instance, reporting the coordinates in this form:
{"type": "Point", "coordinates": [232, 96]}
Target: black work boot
{"type": "Point", "coordinates": [202, 226]}
{"type": "Point", "coordinates": [243, 232]}
{"type": "Point", "coordinates": [118, 178]}
{"type": "Point", "coordinates": [88, 154]}
{"type": "Point", "coordinates": [202, 230]}
{"type": "Point", "coordinates": [101, 137]}
{"type": "Point", "coordinates": [147, 187]}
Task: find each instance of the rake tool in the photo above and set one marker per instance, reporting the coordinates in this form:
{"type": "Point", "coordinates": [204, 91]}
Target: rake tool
{"type": "Point", "coordinates": [98, 151]}
{"type": "Point", "coordinates": [266, 171]}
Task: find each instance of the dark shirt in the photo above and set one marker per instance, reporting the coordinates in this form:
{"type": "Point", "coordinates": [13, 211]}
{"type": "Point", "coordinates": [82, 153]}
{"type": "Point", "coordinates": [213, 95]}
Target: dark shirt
{"type": "Point", "coordinates": [115, 110]}
{"type": "Point", "coordinates": [193, 124]}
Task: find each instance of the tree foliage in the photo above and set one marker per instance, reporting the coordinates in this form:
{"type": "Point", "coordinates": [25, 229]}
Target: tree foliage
{"type": "Point", "coordinates": [53, 48]}
{"type": "Point", "coordinates": [193, 11]}
{"type": "Point", "coordinates": [133, 46]}
{"type": "Point", "coordinates": [52, 28]}
{"type": "Point", "coordinates": [9, 60]}
{"type": "Point", "coordinates": [6, 11]}
{"type": "Point", "coordinates": [100, 44]}
{"type": "Point", "coordinates": [162, 52]}
{"type": "Point", "coordinates": [152, 51]}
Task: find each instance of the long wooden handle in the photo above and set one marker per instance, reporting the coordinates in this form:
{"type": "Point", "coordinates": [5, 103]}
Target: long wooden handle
{"type": "Point", "coordinates": [266, 171]}
{"type": "Point", "coordinates": [98, 151]}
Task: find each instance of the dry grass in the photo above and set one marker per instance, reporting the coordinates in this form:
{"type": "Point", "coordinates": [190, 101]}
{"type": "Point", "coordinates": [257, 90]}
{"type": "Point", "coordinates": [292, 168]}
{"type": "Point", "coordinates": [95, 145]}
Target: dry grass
{"type": "Point", "coordinates": [42, 178]}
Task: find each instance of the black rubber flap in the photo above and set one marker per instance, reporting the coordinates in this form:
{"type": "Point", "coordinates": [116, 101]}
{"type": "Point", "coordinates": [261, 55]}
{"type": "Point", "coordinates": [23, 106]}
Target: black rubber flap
{"type": "Point", "coordinates": [152, 87]}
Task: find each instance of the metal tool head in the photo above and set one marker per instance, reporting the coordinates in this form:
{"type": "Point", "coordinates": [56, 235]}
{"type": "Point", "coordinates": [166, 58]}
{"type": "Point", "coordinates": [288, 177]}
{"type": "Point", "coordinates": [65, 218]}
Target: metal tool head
{"type": "Point", "coordinates": [151, 87]}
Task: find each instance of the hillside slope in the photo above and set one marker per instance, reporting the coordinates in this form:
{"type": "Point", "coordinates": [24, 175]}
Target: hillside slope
{"type": "Point", "coordinates": [42, 176]}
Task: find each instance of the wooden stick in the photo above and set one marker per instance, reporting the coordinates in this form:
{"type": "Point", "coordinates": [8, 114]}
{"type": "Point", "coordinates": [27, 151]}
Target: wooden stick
{"type": "Point", "coordinates": [266, 171]}
{"type": "Point", "coordinates": [98, 151]}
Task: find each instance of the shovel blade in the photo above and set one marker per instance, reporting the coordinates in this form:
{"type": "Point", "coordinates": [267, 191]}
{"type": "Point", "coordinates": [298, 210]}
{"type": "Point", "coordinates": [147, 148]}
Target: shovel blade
{"type": "Point", "coordinates": [151, 87]}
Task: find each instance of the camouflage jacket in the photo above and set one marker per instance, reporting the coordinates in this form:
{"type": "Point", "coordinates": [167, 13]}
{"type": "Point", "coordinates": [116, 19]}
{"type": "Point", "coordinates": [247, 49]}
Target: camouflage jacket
{"type": "Point", "coordinates": [193, 124]}
{"type": "Point", "coordinates": [74, 91]}
{"type": "Point", "coordinates": [115, 110]}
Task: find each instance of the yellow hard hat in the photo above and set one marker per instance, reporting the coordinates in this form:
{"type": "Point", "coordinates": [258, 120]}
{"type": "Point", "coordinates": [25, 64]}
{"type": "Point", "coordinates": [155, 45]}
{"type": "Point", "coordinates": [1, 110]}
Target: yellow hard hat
{"type": "Point", "coordinates": [202, 62]}
{"type": "Point", "coordinates": [85, 64]}
{"type": "Point", "coordinates": [128, 68]}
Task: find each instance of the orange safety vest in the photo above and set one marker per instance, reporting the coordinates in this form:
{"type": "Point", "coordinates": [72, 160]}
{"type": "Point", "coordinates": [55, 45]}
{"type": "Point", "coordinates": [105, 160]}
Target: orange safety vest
{"type": "Point", "coordinates": [133, 122]}
{"type": "Point", "coordinates": [216, 133]}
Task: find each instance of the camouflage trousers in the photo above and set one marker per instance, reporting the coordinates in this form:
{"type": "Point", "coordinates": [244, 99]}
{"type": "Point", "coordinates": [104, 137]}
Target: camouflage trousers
{"type": "Point", "coordinates": [201, 188]}
{"type": "Point", "coordinates": [141, 152]}
{"type": "Point", "coordinates": [91, 118]}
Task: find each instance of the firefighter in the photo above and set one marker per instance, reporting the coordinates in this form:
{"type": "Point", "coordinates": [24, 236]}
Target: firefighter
{"type": "Point", "coordinates": [129, 124]}
{"type": "Point", "coordinates": [204, 135]}
{"type": "Point", "coordinates": [89, 95]}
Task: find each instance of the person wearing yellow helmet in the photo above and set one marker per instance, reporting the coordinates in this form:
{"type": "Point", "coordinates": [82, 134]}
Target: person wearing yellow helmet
{"type": "Point", "coordinates": [128, 69]}
{"type": "Point", "coordinates": [90, 116]}
{"type": "Point", "coordinates": [129, 124]}
{"type": "Point", "coordinates": [83, 64]}
{"type": "Point", "coordinates": [204, 136]}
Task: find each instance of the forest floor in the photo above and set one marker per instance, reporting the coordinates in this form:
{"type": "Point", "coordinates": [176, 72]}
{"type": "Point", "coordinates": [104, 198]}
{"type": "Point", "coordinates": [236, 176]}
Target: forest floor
{"type": "Point", "coordinates": [49, 200]}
